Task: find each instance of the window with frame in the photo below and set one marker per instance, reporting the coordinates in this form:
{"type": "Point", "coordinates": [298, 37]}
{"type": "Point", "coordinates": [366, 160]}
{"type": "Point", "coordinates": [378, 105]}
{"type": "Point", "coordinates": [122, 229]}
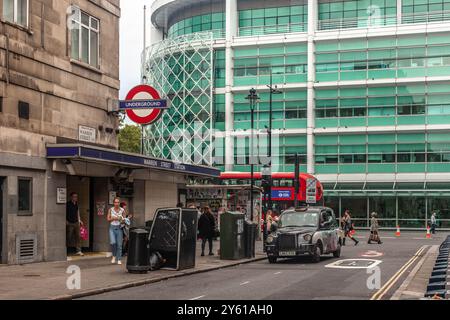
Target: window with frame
{"type": "Point", "coordinates": [16, 11]}
{"type": "Point", "coordinates": [85, 35]}
{"type": "Point", "coordinates": [25, 196]}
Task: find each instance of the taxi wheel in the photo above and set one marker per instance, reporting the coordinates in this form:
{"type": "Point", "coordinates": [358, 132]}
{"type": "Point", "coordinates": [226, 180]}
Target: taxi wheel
{"type": "Point", "coordinates": [337, 253]}
{"type": "Point", "coordinates": [316, 254]}
{"type": "Point", "coordinates": [273, 260]}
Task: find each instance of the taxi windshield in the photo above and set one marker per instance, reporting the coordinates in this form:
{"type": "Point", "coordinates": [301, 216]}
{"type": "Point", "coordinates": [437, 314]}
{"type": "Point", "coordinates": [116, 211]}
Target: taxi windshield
{"type": "Point", "coordinates": [299, 219]}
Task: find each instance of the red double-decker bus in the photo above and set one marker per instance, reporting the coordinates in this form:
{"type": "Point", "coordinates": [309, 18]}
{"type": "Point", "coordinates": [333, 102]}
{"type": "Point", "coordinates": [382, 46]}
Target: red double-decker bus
{"type": "Point", "coordinates": [283, 187]}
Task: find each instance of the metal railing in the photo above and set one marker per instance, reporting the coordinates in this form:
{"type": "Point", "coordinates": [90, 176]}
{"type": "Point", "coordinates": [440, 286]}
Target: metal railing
{"type": "Point", "coordinates": [367, 22]}
{"type": "Point", "coordinates": [426, 17]}
{"type": "Point", "coordinates": [344, 23]}
{"type": "Point", "coordinates": [217, 34]}
{"type": "Point", "coordinates": [383, 21]}
{"type": "Point", "coordinates": [272, 29]}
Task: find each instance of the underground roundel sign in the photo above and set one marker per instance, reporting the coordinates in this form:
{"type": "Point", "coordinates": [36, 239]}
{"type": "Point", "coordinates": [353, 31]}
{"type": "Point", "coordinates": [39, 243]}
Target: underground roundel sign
{"type": "Point", "coordinates": [143, 105]}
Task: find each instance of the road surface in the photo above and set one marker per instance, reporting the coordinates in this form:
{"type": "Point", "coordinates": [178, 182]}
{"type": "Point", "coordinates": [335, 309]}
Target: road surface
{"type": "Point", "coordinates": [298, 279]}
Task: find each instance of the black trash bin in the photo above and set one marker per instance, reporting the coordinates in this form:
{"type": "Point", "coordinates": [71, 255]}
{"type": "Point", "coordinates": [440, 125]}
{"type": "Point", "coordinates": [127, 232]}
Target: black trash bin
{"type": "Point", "coordinates": [138, 254]}
{"type": "Point", "coordinates": [250, 231]}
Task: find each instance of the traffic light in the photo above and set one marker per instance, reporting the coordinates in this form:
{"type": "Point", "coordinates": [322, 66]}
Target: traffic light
{"type": "Point", "coordinates": [266, 183]}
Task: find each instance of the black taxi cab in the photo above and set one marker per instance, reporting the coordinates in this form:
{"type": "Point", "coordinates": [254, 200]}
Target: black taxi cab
{"type": "Point", "coordinates": [312, 231]}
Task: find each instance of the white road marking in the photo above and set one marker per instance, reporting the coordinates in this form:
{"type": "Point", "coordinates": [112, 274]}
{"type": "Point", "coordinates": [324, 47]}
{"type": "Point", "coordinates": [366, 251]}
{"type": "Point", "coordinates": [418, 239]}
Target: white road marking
{"type": "Point", "coordinates": [198, 298]}
{"type": "Point", "coordinates": [390, 283]}
{"type": "Point", "coordinates": [244, 283]}
{"type": "Point", "coordinates": [353, 264]}
{"type": "Point", "coordinates": [277, 273]}
{"type": "Point", "coordinates": [372, 254]}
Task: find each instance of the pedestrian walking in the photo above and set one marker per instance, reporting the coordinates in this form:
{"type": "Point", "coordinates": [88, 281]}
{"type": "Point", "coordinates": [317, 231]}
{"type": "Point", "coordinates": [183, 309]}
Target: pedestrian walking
{"type": "Point", "coordinates": [374, 229]}
{"type": "Point", "coordinates": [73, 224]}
{"type": "Point", "coordinates": [269, 220]}
{"type": "Point", "coordinates": [206, 228]}
{"type": "Point", "coordinates": [191, 205]}
{"type": "Point", "coordinates": [433, 223]}
{"type": "Point", "coordinates": [348, 227]}
{"type": "Point", "coordinates": [125, 225]}
{"type": "Point", "coordinates": [116, 216]}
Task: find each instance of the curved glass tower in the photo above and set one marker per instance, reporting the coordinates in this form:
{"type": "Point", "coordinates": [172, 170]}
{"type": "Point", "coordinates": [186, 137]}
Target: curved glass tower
{"type": "Point", "coordinates": [365, 91]}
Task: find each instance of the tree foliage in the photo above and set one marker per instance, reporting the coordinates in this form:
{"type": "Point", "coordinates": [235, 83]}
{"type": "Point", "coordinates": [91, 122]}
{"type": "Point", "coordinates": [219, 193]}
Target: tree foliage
{"type": "Point", "coordinates": [130, 138]}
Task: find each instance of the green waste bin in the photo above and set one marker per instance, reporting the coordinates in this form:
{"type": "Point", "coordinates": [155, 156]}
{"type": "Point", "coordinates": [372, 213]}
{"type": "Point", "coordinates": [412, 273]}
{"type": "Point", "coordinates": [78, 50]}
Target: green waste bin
{"type": "Point", "coordinates": [232, 236]}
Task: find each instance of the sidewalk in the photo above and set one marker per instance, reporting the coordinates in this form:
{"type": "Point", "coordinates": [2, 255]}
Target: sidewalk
{"type": "Point", "coordinates": [48, 280]}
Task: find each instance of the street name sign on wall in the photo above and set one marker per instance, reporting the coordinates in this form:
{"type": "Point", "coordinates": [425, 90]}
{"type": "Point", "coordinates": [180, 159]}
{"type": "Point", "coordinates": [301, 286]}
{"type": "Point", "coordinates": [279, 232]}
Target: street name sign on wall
{"type": "Point", "coordinates": [87, 134]}
{"type": "Point", "coordinates": [143, 105]}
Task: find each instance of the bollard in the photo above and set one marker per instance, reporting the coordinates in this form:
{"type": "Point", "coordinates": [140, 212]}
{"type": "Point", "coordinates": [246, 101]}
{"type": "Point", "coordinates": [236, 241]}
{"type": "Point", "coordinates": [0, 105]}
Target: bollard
{"type": "Point", "coordinates": [438, 278]}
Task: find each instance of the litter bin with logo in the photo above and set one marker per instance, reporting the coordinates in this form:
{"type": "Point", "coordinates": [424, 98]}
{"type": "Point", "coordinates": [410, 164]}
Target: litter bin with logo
{"type": "Point", "coordinates": [174, 236]}
{"type": "Point", "coordinates": [138, 254]}
{"type": "Point", "coordinates": [232, 237]}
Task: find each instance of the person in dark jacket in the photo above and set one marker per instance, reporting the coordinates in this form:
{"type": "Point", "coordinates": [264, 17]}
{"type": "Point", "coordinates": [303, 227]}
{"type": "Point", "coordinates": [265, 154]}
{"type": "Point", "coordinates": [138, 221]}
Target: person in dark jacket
{"type": "Point", "coordinates": [348, 227]}
{"type": "Point", "coordinates": [206, 228]}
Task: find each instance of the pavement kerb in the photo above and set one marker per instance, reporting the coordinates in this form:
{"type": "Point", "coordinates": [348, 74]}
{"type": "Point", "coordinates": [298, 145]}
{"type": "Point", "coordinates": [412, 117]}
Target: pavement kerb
{"type": "Point", "coordinates": [432, 250]}
{"type": "Point", "coordinates": [139, 283]}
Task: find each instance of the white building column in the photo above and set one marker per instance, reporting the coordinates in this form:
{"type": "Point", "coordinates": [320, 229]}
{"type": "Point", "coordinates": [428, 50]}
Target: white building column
{"type": "Point", "coordinates": [231, 27]}
{"type": "Point", "coordinates": [312, 27]}
{"type": "Point", "coordinates": [399, 11]}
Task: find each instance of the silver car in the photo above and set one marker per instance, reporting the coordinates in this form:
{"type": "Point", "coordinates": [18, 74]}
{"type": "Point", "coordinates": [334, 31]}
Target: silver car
{"type": "Point", "coordinates": [312, 231]}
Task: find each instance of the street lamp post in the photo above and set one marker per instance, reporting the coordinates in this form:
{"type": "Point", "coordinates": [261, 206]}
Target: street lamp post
{"type": "Point", "coordinates": [273, 90]}
{"type": "Point", "coordinates": [253, 98]}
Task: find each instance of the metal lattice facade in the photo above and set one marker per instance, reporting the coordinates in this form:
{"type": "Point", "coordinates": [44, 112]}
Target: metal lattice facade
{"type": "Point", "coordinates": [181, 69]}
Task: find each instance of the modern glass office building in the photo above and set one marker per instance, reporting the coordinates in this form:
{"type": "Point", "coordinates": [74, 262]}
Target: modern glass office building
{"type": "Point", "coordinates": [365, 94]}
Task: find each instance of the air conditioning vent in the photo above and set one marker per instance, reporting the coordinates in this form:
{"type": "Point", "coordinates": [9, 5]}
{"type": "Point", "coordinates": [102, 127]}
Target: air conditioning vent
{"type": "Point", "coordinates": [26, 248]}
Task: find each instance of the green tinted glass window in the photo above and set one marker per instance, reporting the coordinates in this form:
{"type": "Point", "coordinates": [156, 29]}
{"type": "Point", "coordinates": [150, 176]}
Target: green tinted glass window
{"type": "Point", "coordinates": [214, 22]}
{"type": "Point", "coordinates": [262, 21]}
{"type": "Point", "coordinates": [354, 14]}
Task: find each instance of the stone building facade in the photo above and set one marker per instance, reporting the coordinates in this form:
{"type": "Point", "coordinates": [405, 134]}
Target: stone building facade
{"type": "Point", "coordinates": [59, 70]}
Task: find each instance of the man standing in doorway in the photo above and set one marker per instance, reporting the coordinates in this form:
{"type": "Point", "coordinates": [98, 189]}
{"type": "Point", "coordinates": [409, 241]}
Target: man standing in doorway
{"type": "Point", "coordinates": [73, 223]}
{"type": "Point", "coordinates": [433, 223]}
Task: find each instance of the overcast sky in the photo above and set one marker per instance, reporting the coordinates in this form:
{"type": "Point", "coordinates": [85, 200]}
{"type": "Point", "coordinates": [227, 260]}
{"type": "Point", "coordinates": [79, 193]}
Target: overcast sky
{"type": "Point", "coordinates": [131, 42]}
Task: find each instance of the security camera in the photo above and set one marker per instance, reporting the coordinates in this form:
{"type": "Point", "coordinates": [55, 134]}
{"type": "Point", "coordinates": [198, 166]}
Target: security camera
{"type": "Point", "coordinates": [69, 167]}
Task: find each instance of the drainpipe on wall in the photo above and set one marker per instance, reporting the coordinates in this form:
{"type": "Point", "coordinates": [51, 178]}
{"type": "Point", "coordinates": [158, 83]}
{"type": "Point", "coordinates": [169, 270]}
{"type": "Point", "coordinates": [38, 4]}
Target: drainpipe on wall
{"type": "Point", "coordinates": [7, 59]}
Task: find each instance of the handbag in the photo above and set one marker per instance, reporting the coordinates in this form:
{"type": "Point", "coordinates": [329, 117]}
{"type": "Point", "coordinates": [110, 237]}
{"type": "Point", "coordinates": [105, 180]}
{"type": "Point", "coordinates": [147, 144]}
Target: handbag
{"type": "Point", "coordinates": [84, 233]}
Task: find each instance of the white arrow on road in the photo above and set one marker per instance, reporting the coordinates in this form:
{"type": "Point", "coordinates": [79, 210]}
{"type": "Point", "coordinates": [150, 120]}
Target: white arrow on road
{"type": "Point", "coordinates": [372, 254]}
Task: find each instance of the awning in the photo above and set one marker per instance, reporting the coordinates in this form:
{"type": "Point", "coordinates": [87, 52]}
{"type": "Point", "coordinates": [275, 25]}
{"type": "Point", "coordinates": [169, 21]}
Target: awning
{"type": "Point", "coordinates": [124, 159]}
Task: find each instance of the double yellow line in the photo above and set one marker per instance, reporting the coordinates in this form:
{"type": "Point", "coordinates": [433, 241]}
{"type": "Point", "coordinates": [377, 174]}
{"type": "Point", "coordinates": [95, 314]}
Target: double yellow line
{"type": "Point", "coordinates": [385, 289]}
